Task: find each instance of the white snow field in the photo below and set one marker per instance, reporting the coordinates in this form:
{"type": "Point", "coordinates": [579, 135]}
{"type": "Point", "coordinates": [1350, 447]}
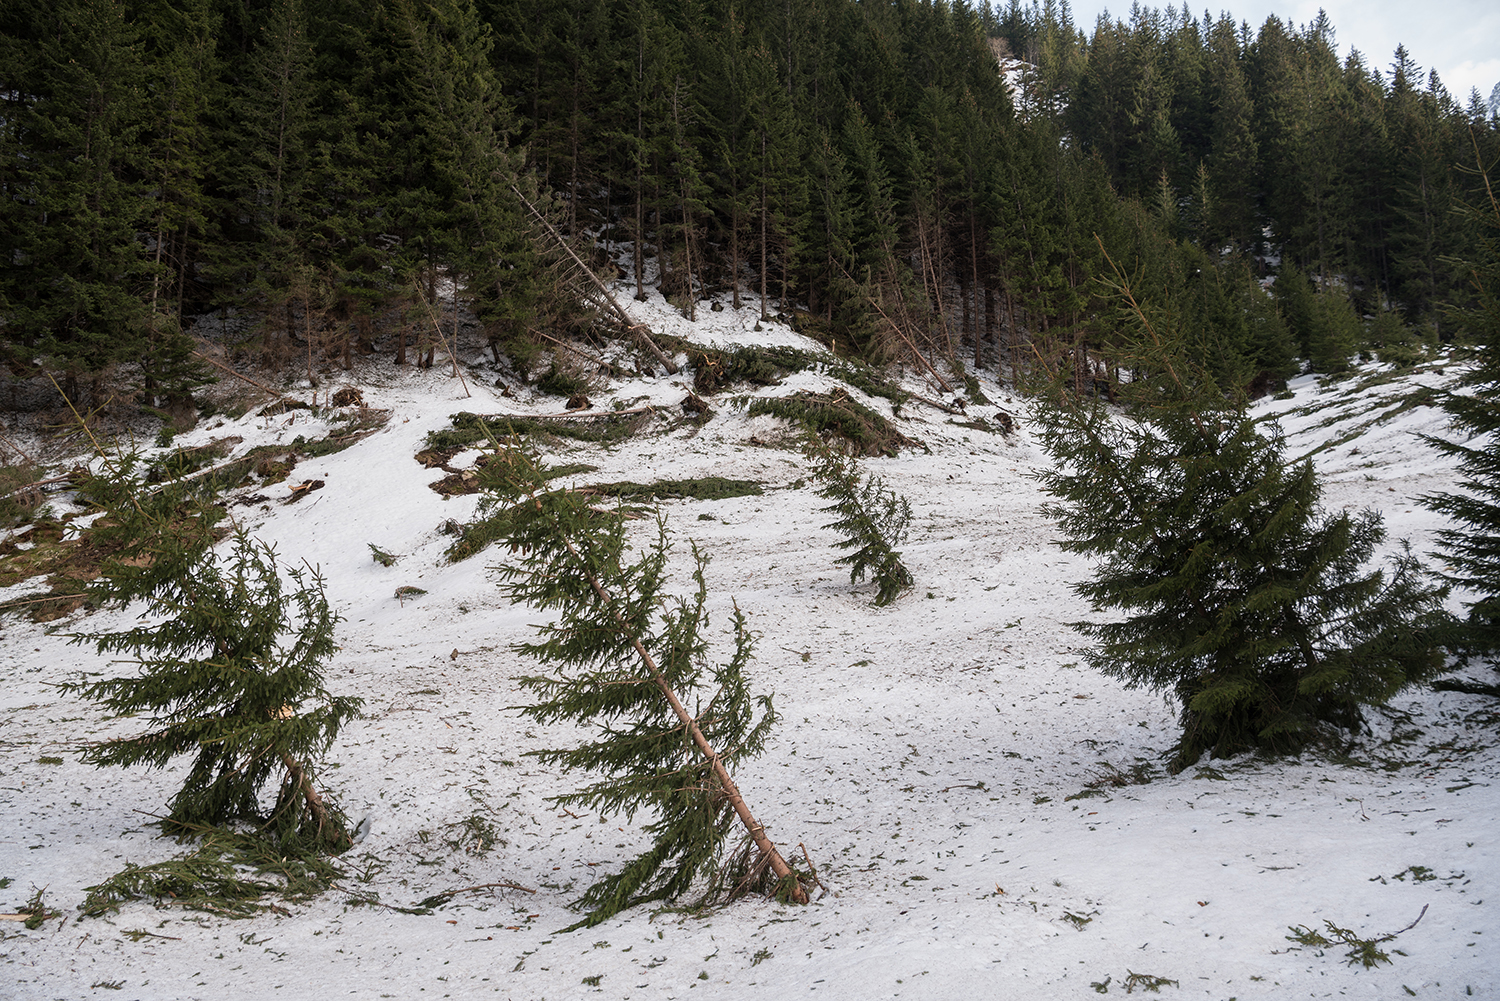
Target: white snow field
{"type": "Point", "coordinates": [963, 782]}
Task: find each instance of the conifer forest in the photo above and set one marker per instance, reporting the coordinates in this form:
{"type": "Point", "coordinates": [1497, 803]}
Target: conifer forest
{"type": "Point", "coordinates": [717, 498]}
{"type": "Point", "coordinates": [860, 165]}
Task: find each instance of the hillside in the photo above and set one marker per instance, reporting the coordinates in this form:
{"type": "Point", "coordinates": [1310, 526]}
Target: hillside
{"type": "Point", "coordinates": [988, 817]}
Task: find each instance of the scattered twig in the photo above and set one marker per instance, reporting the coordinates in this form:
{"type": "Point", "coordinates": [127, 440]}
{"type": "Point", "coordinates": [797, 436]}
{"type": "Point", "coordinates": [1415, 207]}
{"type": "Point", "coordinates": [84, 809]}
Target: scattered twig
{"type": "Point", "coordinates": [576, 350]}
{"type": "Point", "coordinates": [20, 602]}
{"type": "Point", "coordinates": [938, 406]}
{"type": "Point", "coordinates": [503, 885]}
{"type": "Point", "coordinates": [1414, 923]}
{"type": "Point", "coordinates": [374, 901]}
{"type": "Point", "coordinates": [136, 934]}
{"type": "Point", "coordinates": [39, 483]}
{"type": "Point", "coordinates": [812, 870]}
{"type": "Point", "coordinates": [19, 450]}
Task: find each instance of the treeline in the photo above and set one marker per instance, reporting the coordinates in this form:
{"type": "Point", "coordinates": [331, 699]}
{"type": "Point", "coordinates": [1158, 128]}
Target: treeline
{"type": "Point", "coordinates": [328, 168]}
{"type": "Point", "coordinates": [860, 162]}
{"type": "Point", "coordinates": [1263, 143]}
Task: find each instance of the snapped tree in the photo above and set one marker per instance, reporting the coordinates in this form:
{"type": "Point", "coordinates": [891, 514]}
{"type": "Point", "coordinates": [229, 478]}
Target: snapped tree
{"type": "Point", "coordinates": [1235, 590]}
{"type": "Point", "coordinates": [628, 656]}
{"type": "Point", "coordinates": [229, 667]}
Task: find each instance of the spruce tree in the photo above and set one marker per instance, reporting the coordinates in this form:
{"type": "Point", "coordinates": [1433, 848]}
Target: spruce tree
{"type": "Point", "coordinates": [264, 174]}
{"type": "Point", "coordinates": [71, 266]}
{"type": "Point", "coordinates": [1235, 590]}
{"type": "Point", "coordinates": [871, 518]}
{"type": "Point", "coordinates": [1336, 332]}
{"type": "Point", "coordinates": [1298, 305]}
{"type": "Point", "coordinates": [1471, 549]}
{"type": "Point", "coordinates": [229, 667]}
{"type": "Point", "coordinates": [628, 654]}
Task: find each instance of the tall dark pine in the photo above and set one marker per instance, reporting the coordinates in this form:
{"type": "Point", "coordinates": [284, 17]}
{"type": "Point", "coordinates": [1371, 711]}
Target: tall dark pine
{"type": "Point", "coordinates": [181, 71]}
{"type": "Point", "coordinates": [72, 268]}
{"type": "Point", "coordinates": [1472, 548]}
{"type": "Point", "coordinates": [480, 235]}
{"type": "Point", "coordinates": [266, 158]}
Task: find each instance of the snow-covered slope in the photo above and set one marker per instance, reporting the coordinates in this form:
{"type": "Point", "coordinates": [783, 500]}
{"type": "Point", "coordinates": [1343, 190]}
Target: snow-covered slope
{"type": "Point", "coordinates": [963, 784]}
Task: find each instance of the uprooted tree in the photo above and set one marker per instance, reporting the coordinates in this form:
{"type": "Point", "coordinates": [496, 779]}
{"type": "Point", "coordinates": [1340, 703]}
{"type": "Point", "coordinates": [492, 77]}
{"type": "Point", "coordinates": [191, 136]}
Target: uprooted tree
{"type": "Point", "coordinates": [1231, 586]}
{"type": "Point", "coordinates": [628, 656]}
{"type": "Point", "coordinates": [229, 667]}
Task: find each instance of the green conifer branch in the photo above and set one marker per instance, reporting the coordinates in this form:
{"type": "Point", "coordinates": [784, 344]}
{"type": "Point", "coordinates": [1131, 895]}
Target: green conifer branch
{"type": "Point", "coordinates": [871, 518]}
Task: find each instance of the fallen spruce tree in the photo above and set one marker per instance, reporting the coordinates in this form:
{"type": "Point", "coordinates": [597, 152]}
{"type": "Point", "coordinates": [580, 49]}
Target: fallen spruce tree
{"type": "Point", "coordinates": [629, 658]}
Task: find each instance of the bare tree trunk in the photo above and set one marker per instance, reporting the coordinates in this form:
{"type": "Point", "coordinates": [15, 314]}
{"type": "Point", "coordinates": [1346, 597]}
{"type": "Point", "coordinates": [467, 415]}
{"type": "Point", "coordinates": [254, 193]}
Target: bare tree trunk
{"type": "Point", "coordinates": [764, 210]}
{"type": "Point", "coordinates": [974, 289]}
{"type": "Point", "coordinates": [401, 339]}
{"type": "Point", "coordinates": [989, 320]}
{"type": "Point", "coordinates": [298, 779]}
{"type": "Point", "coordinates": [734, 256]}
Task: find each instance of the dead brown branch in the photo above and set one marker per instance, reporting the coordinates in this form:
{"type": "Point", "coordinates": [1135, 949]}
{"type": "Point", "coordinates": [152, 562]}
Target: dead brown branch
{"type": "Point", "coordinates": [238, 375]}
{"type": "Point", "coordinates": [442, 339]}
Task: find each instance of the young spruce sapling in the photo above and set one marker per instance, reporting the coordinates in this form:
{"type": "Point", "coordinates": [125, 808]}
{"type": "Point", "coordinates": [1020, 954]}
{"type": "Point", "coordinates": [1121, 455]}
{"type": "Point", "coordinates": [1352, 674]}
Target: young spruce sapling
{"type": "Point", "coordinates": [872, 519]}
{"type": "Point", "coordinates": [1228, 583]}
{"type": "Point", "coordinates": [229, 665]}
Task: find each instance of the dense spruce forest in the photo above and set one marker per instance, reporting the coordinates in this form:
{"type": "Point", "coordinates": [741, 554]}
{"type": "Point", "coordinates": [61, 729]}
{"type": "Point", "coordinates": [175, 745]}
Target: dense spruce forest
{"type": "Point", "coordinates": [897, 176]}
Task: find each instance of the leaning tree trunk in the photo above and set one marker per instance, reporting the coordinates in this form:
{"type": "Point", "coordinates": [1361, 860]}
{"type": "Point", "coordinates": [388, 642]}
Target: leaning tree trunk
{"type": "Point", "coordinates": [756, 830]}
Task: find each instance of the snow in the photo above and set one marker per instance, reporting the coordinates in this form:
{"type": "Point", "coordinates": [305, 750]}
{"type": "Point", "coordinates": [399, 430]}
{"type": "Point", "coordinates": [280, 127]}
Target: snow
{"type": "Point", "coordinates": [930, 758]}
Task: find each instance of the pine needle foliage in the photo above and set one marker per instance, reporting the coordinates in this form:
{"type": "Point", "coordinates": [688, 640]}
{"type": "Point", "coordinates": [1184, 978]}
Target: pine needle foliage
{"type": "Point", "coordinates": [154, 533]}
{"type": "Point", "coordinates": [833, 414]}
{"type": "Point", "coordinates": [1235, 590]}
{"type": "Point", "coordinates": [229, 873]}
{"type": "Point", "coordinates": [872, 519]}
{"type": "Point", "coordinates": [1472, 549]}
{"type": "Point", "coordinates": [229, 667]}
{"type": "Point", "coordinates": [629, 656]}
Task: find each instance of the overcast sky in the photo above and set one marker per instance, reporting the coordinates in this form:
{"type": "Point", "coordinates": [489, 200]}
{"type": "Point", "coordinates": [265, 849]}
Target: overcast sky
{"type": "Point", "coordinates": [1458, 38]}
